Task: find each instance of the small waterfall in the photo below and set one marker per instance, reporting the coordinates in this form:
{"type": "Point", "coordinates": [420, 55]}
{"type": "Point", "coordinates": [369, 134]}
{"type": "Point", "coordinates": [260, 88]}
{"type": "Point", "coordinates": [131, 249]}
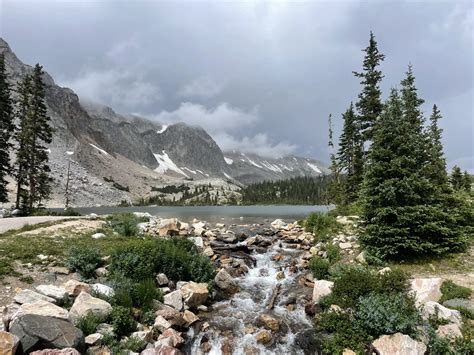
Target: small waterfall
{"type": "Point", "coordinates": [233, 323]}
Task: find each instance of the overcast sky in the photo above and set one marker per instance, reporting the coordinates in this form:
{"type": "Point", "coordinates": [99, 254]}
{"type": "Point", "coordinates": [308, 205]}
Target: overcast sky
{"type": "Point", "coordinates": [259, 76]}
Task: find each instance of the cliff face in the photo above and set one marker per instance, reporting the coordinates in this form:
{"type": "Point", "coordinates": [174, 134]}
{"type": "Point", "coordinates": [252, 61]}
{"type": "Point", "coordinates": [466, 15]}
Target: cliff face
{"type": "Point", "coordinates": [119, 157]}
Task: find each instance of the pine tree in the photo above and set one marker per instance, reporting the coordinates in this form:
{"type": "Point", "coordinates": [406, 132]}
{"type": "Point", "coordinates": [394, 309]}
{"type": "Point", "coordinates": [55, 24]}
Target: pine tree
{"type": "Point", "coordinates": [23, 137]}
{"type": "Point", "coordinates": [350, 155]}
{"type": "Point", "coordinates": [466, 181]}
{"type": "Point", "coordinates": [399, 220]}
{"type": "Point", "coordinates": [335, 185]}
{"type": "Point", "coordinates": [436, 163]}
{"type": "Point", "coordinates": [35, 132]}
{"type": "Point", "coordinates": [456, 178]}
{"type": "Point", "coordinates": [370, 105]}
{"type": "Point", "coordinates": [6, 129]}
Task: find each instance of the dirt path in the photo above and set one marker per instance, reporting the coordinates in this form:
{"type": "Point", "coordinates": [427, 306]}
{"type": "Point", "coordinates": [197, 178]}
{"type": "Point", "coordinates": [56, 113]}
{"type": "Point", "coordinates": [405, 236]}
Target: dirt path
{"type": "Point", "coordinates": [7, 224]}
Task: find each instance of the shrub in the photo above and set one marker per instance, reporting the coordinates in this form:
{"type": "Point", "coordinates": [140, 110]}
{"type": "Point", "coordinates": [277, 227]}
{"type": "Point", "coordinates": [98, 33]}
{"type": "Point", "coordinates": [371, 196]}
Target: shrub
{"type": "Point", "coordinates": [176, 257]}
{"type": "Point", "coordinates": [88, 323]}
{"type": "Point", "coordinates": [450, 290]}
{"type": "Point", "coordinates": [133, 344]}
{"type": "Point", "coordinates": [344, 334]}
{"type": "Point", "coordinates": [322, 225]}
{"type": "Point", "coordinates": [125, 224]}
{"type": "Point", "coordinates": [122, 321]}
{"type": "Point", "coordinates": [143, 294]}
{"type": "Point", "coordinates": [380, 314]}
{"type": "Point", "coordinates": [333, 253]}
{"type": "Point", "coordinates": [319, 267]}
{"type": "Point", "coordinates": [352, 282]}
{"type": "Point", "coordinates": [84, 260]}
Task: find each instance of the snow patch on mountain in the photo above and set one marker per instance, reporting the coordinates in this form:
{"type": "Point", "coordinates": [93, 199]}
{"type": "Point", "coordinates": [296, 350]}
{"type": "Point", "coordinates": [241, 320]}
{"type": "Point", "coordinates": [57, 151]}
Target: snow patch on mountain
{"type": "Point", "coordinates": [99, 149]}
{"type": "Point", "coordinates": [228, 161]}
{"type": "Point", "coordinates": [165, 163]}
{"type": "Point", "coordinates": [314, 167]}
{"type": "Point", "coordinates": [162, 129]}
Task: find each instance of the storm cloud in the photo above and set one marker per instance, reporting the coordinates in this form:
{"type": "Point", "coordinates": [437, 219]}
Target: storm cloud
{"type": "Point", "coordinates": [260, 76]}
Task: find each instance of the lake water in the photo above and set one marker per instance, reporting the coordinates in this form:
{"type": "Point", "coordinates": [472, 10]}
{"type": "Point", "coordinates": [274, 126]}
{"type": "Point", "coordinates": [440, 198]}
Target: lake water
{"type": "Point", "coordinates": [213, 214]}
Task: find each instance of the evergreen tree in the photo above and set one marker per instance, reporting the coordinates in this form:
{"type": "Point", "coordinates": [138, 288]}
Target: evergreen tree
{"type": "Point", "coordinates": [350, 155]}
{"type": "Point", "coordinates": [466, 181]}
{"type": "Point", "coordinates": [436, 163]}
{"type": "Point", "coordinates": [456, 178]}
{"type": "Point", "coordinates": [370, 105]}
{"type": "Point", "coordinates": [399, 221]}
{"type": "Point", "coordinates": [35, 132]}
{"type": "Point", "coordinates": [6, 129]}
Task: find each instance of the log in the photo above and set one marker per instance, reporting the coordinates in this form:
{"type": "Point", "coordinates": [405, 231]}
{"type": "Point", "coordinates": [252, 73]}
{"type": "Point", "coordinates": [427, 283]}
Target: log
{"type": "Point", "coordinates": [275, 293]}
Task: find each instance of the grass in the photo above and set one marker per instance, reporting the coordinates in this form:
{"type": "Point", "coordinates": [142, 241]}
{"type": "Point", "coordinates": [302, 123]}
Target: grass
{"type": "Point", "coordinates": [450, 290]}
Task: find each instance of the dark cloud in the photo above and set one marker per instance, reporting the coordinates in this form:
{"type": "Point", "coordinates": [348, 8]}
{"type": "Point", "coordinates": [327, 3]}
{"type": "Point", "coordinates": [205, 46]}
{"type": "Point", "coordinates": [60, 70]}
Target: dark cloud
{"type": "Point", "coordinates": [286, 65]}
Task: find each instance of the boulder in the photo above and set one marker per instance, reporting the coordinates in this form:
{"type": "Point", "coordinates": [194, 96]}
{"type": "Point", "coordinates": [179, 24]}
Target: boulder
{"type": "Point", "coordinates": [263, 337]}
{"type": "Point", "coordinates": [41, 308]}
{"type": "Point", "coordinates": [345, 245]}
{"type": "Point", "coordinates": [8, 343]}
{"type": "Point", "coordinates": [161, 324]}
{"type": "Point", "coordinates": [74, 287]}
{"type": "Point", "coordinates": [169, 227]}
{"type": "Point", "coordinates": [94, 339]}
{"type": "Point", "coordinates": [225, 282]}
{"type": "Point", "coordinates": [143, 335]}
{"type": "Point", "coordinates": [175, 338]}
{"type": "Point", "coordinates": [269, 322]}
{"type": "Point", "coordinates": [361, 258]}
{"type": "Point", "coordinates": [161, 349]}
{"type": "Point", "coordinates": [174, 299]}
{"type": "Point", "coordinates": [348, 352]}
{"type": "Point", "coordinates": [451, 330]}
{"type": "Point", "coordinates": [162, 279]}
{"type": "Point", "coordinates": [46, 332]}
{"type": "Point", "coordinates": [171, 315]}
{"type": "Point", "coordinates": [67, 351]}
{"type": "Point", "coordinates": [279, 224]}
{"type": "Point", "coordinates": [98, 235]}
{"type": "Point", "coordinates": [30, 296]}
{"type": "Point", "coordinates": [426, 289]}
{"type": "Point", "coordinates": [56, 292]}
{"type": "Point", "coordinates": [198, 241]}
{"type": "Point", "coordinates": [321, 288]}
{"type": "Point", "coordinates": [86, 304]}
{"type": "Point", "coordinates": [194, 294]}
{"type": "Point", "coordinates": [399, 344]}
{"type": "Point", "coordinates": [199, 228]}
{"type": "Point", "coordinates": [103, 290]}
{"type": "Point", "coordinates": [430, 308]}
{"type": "Point", "coordinates": [208, 252]}
{"type": "Point", "coordinates": [190, 318]}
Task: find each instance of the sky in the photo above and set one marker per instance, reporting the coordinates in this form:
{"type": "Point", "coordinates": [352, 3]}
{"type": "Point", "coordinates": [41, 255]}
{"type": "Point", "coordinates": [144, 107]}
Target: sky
{"type": "Point", "coordinates": [259, 76]}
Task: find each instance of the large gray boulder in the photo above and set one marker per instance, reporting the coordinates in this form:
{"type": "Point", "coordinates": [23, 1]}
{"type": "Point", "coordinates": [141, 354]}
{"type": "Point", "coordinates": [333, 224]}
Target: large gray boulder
{"type": "Point", "coordinates": [35, 331]}
{"type": "Point", "coordinates": [225, 282]}
{"type": "Point", "coordinates": [321, 288]}
{"type": "Point", "coordinates": [30, 296]}
{"type": "Point", "coordinates": [86, 304]}
{"type": "Point", "coordinates": [426, 289]}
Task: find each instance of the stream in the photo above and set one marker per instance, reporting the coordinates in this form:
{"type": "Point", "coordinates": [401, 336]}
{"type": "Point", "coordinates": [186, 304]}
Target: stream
{"type": "Point", "coordinates": [234, 323]}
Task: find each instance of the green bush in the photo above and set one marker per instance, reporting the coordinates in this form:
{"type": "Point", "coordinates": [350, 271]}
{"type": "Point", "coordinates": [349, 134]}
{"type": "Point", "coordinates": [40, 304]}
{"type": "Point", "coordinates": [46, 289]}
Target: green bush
{"type": "Point", "coordinates": [88, 323]}
{"type": "Point", "coordinates": [319, 267]}
{"type": "Point", "coordinates": [333, 253]}
{"type": "Point", "coordinates": [354, 281]}
{"type": "Point", "coordinates": [122, 321]}
{"type": "Point", "coordinates": [176, 257]}
{"type": "Point", "coordinates": [450, 290]}
{"type": "Point", "coordinates": [133, 344]}
{"type": "Point", "coordinates": [84, 260]}
{"type": "Point", "coordinates": [125, 224]}
{"type": "Point", "coordinates": [344, 335]}
{"type": "Point", "coordinates": [143, 294]}
{"type": "Point", "coordinates": [380, 314]}
{"type": "Point", "coordinates": [322, 225]}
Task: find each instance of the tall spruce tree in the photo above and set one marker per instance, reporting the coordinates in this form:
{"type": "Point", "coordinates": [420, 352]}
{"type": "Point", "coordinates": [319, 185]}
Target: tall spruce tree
{"type": "Point", "coordinates": [403, 213]}
{"type": "Point", "coordinates": [436, 163]}
{"type": "Point", "coordinates": [350, 155]}
{"type": "Point", "coordinates": [466, 181]}
{"type": "Point", "coordinates": [370, 105]}
{"type": "Point", "coordinates": [35, 132]}
{"type": "Point", "coordinates": [6, 129]}
{"type": "Point", "coordinates": [456, 178]}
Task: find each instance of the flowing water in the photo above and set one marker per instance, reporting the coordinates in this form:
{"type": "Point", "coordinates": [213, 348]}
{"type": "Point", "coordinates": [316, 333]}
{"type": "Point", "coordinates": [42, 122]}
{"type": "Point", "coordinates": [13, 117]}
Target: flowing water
{"type": "Point", "coordinates": [233, 323]}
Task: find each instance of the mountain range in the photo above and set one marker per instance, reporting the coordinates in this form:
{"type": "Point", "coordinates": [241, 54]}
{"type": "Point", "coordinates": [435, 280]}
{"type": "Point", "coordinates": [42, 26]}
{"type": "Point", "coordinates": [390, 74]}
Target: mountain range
{"type": "Point", "coordinates": [117, 157]}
